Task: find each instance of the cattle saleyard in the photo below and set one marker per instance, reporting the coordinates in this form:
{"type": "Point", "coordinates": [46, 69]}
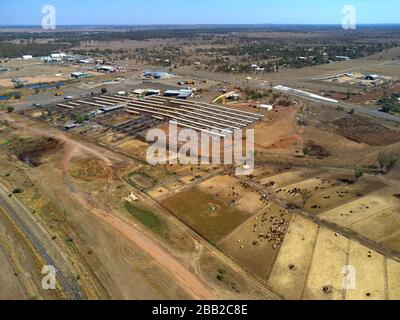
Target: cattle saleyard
{"type": "Point", "coordinates": [200, 116]}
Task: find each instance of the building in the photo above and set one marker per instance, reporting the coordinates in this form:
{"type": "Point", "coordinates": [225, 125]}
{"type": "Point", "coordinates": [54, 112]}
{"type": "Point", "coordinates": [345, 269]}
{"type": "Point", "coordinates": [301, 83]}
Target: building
{"type": "Point", "coordinates": [108, 69]}
{"type": "Point", "coordinates": [156, 75]}
{"type": "Point", "coordinates": [267, 107]}
{"type": "Point", "coordinates": [27, 57]}
{"type": "Point", "coordinates": [58, 55]}
{"type": "Point", "coordinates": [185, 94]}
{"type": "Point", "coordinates": [113, 108]}
{"type": "Point", "coordinates": [180, 94]}
{"type": "Point", "coordinates": [139, 91]}
{"type": "Point", "coordinates": [85, 61]}
{"type": "Point", "coordinates": [152, 92]}
{"type": "Point", "coordinates": [79, 75]}
{"type": "Point", "coordinates": [342, 58]}
{"type": "Point", "coordinates": [371, 77]}
{"type": "Point", "coordinates": [172, 93]}
{"type": "Point", "coordinates": [70, 126]}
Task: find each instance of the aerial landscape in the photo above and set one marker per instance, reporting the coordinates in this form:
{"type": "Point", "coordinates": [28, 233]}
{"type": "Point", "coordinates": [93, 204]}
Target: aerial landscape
{"type": "Point", "coordinates": [200, 156]}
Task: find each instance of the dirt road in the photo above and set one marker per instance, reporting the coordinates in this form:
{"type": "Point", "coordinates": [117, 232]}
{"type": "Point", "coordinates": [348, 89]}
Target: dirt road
{"type": "Point", "coordinates": [186, 279]}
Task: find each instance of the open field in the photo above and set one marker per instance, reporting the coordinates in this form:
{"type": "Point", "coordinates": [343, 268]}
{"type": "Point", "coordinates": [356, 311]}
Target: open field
{"type": "Point", "coordinates": [256, 243]}
{"type": "Point", "coordinates": [311, 261]}
{"type": "Point", "coordinates": [206, 214]}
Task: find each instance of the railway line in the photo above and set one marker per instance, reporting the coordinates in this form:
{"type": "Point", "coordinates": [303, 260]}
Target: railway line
{"type": "Point", "coordinates": [41, 242]}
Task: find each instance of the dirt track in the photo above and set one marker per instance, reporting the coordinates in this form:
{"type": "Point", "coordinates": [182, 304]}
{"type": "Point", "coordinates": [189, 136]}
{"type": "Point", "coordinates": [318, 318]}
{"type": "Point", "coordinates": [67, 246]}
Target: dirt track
{"type": "Point", "coordinates": [186, 279]}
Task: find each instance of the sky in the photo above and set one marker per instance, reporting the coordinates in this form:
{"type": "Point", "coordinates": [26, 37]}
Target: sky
{"type": "Point", "coordinates": [142, 12]}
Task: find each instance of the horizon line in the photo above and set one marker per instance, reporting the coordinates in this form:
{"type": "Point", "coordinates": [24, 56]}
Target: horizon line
{"type": "Point", "coordinates": [199, 24]}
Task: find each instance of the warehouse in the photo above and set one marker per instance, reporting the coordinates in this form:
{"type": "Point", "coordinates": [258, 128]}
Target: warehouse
{"type": "Point", "coordinates": [113, 108]}
{"type": "Point", "coordinates": [108, 69]}
{"type": "Point", "coordinates": [79, 75]}
{"type": "Point", "coordinates": [180, 94]}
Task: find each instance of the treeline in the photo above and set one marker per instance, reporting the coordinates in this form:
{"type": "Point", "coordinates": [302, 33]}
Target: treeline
{"type": "Point", "coordinates": [13, 50]}
{"type": "Point", "coordinates": [390, 104]}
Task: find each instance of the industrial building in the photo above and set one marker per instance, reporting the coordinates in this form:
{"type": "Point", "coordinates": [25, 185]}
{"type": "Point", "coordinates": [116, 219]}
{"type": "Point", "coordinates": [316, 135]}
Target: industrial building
{"type": "Point", "coordinates": [108, 69]}
{"type": "Point", "coordinates": [156, 75]}
{"type": "Point", "coordinates": [79, 75]}
{"type": "Point", "coordinates": [151, 111]}
{"type": "Point", "coordinates": [213, 119]}
{"type": "Point", "coordinates": [180, 94]}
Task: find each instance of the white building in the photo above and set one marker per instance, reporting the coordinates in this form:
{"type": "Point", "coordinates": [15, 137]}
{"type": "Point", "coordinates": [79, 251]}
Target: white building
{"type": "Point", "coordinates": [267, 107]}
{"type": "Point", "coordinates": [27, 57]}
{"type": "Point", "coordinates": [106, 68]}
{"type": "Point", "coordinates": [58, 55]}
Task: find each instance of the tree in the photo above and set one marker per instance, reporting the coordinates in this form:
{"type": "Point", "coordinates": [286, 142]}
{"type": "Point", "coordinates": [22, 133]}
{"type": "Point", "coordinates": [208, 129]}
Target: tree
{"type": "Point", "coordinates": [18, 190]}
{"type": "Point", "coordinates": [103, 90]}
{"type": "Point", "coordinates": [305, 196]}
{"type": "Point", "coordinates": [79, 118]}
{"type": "Point", "coordinates": [358, 172]}
{"type": "Point", "coordinates": [10, 109]}
{"type": "Point", "coordinates": [386, 162]}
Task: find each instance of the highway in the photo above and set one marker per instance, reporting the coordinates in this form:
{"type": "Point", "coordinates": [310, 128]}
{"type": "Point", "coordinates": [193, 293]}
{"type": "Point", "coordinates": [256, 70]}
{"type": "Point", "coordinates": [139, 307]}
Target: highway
{"type": "Point", "coordinates": [255, 83]}
{"type": "Point", "coordinates": [345, 105]}
{"type": "Point", "coordinates": [41, 241]}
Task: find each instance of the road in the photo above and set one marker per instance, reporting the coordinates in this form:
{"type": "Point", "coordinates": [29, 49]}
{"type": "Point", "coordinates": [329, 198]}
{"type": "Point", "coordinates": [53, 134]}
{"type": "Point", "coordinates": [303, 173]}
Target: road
{"type": "Point", "coordinates": [345, 105]}
{"type": "Point", "coordinates": [80, 91]}
{"type": "Point", "coordinates": [269, 292]}
{"type": "Point", "coordinates": [256, 83]}
{"type": "Point", "coordinates": [41, 241]}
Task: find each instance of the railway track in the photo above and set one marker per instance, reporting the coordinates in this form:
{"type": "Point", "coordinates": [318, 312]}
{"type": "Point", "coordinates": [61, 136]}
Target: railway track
{"type": "Point", "coordinates": [41, 242]}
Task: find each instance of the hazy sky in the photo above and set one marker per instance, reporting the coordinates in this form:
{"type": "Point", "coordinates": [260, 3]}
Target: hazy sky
{"type": "Point", "coordinates": [86, 12]}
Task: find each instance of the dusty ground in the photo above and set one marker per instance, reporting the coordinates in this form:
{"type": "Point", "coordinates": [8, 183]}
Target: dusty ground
{"type": "Point", "coordinates": [122, 246]}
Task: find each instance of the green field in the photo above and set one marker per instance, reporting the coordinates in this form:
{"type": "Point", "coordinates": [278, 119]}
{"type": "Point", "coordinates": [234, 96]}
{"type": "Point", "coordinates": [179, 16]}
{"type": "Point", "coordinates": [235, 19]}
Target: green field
{"type": "Point", "coordinates": [147, 218]}
{"type": "Point", "coordinates": [204, 213]}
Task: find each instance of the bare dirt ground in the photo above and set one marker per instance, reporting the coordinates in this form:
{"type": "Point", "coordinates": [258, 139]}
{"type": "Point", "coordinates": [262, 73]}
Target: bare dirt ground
{"type": "Point", "coordinates": [120, 243]}
{"type": "Point", "coordinates": [311, 261]}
